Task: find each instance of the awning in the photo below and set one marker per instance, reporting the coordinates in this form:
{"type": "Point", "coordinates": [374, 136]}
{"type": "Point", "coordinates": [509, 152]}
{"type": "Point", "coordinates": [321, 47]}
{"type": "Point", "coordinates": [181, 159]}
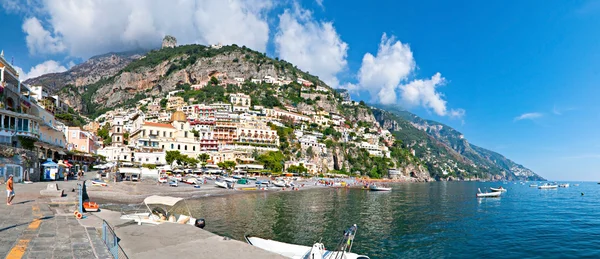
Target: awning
{"type": "Point", "coordinates": [62, 153]}
{"type": "Point", "coordinates": [49, 163]}
{"type": "Point", "coordinates": [165, 200]}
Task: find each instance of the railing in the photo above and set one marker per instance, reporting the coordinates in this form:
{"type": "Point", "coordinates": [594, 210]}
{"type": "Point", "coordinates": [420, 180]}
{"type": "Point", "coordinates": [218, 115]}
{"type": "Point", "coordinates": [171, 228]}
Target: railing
{"type": "Point", "coordinates": [111, 241]}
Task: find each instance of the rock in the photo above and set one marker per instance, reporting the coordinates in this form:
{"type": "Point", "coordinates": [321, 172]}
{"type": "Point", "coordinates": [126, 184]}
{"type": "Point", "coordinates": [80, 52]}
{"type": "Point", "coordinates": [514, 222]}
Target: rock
{"type": "Point", "coordinates": [52, 191]}
{"type": "Point", "coordinates": [169, 42]}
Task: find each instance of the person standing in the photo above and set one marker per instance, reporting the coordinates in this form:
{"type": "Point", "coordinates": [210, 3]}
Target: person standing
{"type": "Point", "coordinates": [10, 190]}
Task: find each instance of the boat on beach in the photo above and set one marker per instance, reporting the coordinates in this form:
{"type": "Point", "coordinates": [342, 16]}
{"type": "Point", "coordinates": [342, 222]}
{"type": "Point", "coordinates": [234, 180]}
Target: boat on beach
{"type": "Point", "coordinates": [222, 184]}
{"type": "Point", "coordinates": [317, 251]}
{"type": "Point", "coordinates": [548, 186]}
{"type": "Point", "coordinates": [481, 194]}
{"type": "Point", "coordinates": [499, 189]}
{"type": "Point", "coordinates": [374, 187]}
{"type": "Point", "coordinates": [279, 184]}
{"type": "Point", "coordinates": [161, 210]}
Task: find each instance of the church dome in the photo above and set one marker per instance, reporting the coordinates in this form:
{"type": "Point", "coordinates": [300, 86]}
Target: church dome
{"type": "Point", "coordinates": [178, 116]}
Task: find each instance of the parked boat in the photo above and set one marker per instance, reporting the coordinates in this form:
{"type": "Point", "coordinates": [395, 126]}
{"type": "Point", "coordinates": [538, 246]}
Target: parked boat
{"type": "Point", "coordinates": [252, 178]}
{"type": "Point", "coordinates": [564, 185]}
{"type": "Point", "coordinates": [191, 180]}
{"type": "Point", "coordinates": [279, 184]}
{"type": "Point", "coordinates": [98, 183]}
{"type": "Point", "coordinates": [499, 189]}
{"type": "Point", "coordinates": [161, 210]}
{"type": "Point", "coordinates": [374, 187]}
{"type": "Point", "coordinates": [317, 251]}
{"type": "Point", "coordinates": [533, 185]}
{"type": "Point", "coordinates": [90, 206]}
{"type": "Point", "coordinates": [222, 184]}
{"type": "Point", "coordinates": [481, 194]}
{"type": "Point", "coordinates": [548, 186]}
{"type": "Point", "coordinates": [173, 183]}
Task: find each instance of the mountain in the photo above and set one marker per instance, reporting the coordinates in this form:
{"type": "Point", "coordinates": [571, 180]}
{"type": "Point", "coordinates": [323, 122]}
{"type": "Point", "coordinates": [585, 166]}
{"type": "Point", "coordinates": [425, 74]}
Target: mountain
{"type": "Point", "coordinates": [203, 74]}
{"type": "Point", "coordinates": [452, 144]}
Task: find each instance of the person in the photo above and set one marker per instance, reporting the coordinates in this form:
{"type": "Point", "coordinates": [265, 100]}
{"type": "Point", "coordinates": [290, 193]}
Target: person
{"type": "Point", "coordinates": [10, 190]}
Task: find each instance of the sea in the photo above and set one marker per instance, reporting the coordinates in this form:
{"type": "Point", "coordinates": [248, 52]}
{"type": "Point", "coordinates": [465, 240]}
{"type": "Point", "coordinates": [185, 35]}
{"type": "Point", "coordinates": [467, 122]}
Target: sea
{"type": "Point", "coordinates": [420, 220]}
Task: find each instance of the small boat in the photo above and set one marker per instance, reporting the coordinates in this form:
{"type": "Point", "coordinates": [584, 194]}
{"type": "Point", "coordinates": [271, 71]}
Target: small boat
{"type": "Point", "coordinates": [564, 185]}
{"type": "Point", "coordinates": [279, 184]}
{"type": "Point", "coordinates": [161, 209]}
{"type": "Point", "coordinates": [487, 194]}
{"type": "Point", "coordinates": [499, 189]}
{"type": "Point", "coordinates": [533, 185]}
{"type": "Point", "coordinates": [190, 180]}
{"type": "Point", "coordinates": [252, 178]}
{"type": "Point", "coordinates": [237, 176]}
{"type": "Point", "coordinates": [163, 180]}
{"type": "Point", "coordinates": [317, 251]}
{"type": "Point", "coordinates": [173, 183]}
{"type": "Point", "coordinates": [197, 186]}
{"type": "Point", "coordinates": [90, 206]}
{"type": "Point", "coordinates": [548, 186]}
{"type": "Point", "coordinates": [374, 187]}
{"type": "Point", "coordinates": [222, 184]}
{"type": "Point", "coordinates": [99, 183]}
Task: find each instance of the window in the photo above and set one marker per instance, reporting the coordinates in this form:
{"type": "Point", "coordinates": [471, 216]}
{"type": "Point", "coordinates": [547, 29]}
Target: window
{"type": "Point", "coordinates": [172, 146]}
{"type": "Point", "coordinates": [163, 146]}
{"type": "Point", "coordinates": [181, 126]}
{"type": "Point", "coordinates": [185, 134]}
{"type": "Point", "coordinates": [146, 159]}
{"type": "Point", "coordinates": [185, 147]}
{"type": "Point", "coordinates": [178, 147]}
{"type": "Point", "coordinates": [164, 134]}
{"type": "Point", "coordinates": [75, 145]}
{"type": "Point", "coordinates": [125, 157]}
{"type": "Point", "coordinates": [118, 139]}
{"type": "Point", "coordinates": [170, 134]}
{"type": "Point", "coordinates": [194, 148]}
{"type": "Point", "coordinates": [156, 158]}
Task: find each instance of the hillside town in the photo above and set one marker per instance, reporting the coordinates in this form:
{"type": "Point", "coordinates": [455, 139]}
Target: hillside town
{"type": "Point", "coordinates": [206, 134]}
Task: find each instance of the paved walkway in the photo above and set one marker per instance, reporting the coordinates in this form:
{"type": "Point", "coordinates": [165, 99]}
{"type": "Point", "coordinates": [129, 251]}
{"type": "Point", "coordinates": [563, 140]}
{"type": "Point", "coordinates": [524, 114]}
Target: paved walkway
{"type": "Point", "coordinates": [31, 229]}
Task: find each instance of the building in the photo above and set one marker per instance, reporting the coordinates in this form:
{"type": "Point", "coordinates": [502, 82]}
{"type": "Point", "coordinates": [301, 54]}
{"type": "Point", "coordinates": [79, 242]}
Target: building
{"type": "Point", "coordinates": [256, 133]}
{"type": "Point", "coordinates": [240, 99]}
{"type": "Point", "coordinates": [279, 113]}
{"type": "Point", "coordinates": [225, 132]}
{"type": "Point", "coordinates": [175, 103]}
{"type": "Point", "coordinates": [307, 141]}
{"type": "Point", "coordinates": [80, 140]}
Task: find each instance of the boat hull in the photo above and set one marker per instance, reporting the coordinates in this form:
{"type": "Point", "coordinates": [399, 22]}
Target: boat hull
{"type": "Point", "coordinates": [489, 195]}
{"type": "Point", "coordinates": [296, 251]}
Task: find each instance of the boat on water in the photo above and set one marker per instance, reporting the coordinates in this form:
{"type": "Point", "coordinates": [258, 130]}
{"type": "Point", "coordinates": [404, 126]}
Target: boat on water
{"type": "Point", "coordinates": [533, 185]}
{"type": "Point", "coordinates": [161, 210]}
{"type": "Point", "coordinates": [317, 251]}
{"type": "Point", "coordinates": [576, 184]}
{"type": "Point", "coordinates": [564, 185]}
{"type": "Point", "coordinates": [374, 187]}
{"type": "Point", "coordinates": [481, 194]}
{"type": "Point", "coordinates": [499, 189]}
{"type": "Point", "coordinates": [548, 186]}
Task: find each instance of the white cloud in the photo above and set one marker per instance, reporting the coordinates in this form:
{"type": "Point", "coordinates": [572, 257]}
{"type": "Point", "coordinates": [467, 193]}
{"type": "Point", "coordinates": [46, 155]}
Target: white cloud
{"type": "Point", "coordinates": [385, 76]}
{"type": "Point", "coordinates": [312, 45]}
{"type": "Point", "coordinates": [381, 74]}
{"type": "Point", "coordinates": [39, 40]}
{"type": "Point", "coordinates": [49, 66]}
{"type": "Point", "coordinates": [83, 28]}
{"type": "Point", "coordinates": [319, 2]}
{"type": "Point", "coordinates": [529, 116]}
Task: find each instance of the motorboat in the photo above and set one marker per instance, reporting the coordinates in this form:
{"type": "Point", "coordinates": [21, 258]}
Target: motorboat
{"type": "Point", "coordinates": [317, 251]}
{"type": "Point", "coordinates": [161, 210]}
{"type": "Point", "coordinates": [236, 176]}
{"type": "Point", "coordinates": [90, 206]}
{"type": "Point", "coordinates": [374, 187]}
{"type": "Point", "coordinates": [173, 183]}
{"type": "Point", "coordinates": [252, 178]}
{"type": "Point", "coordinates": [279, 184]}
{"type": "Point", "coordinates": [533, 185]}
{"type": "Point", "coordinates": [191, 181]}
{"type": "Point", "coordinates": [499, 189]}
{"type": "Point", "coordinates": [481, 194]}
{"type": "Point", "coordinates": [548, 186]}
{"type": "Point", "coordinates": [222, 184]}
{"type": "Point", "coordinates": [564, 185]}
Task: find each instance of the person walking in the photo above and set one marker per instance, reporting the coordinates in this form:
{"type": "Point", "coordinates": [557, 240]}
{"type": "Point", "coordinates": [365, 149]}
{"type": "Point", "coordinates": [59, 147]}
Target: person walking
{"type": "Point", "coordinates": [10, 190]}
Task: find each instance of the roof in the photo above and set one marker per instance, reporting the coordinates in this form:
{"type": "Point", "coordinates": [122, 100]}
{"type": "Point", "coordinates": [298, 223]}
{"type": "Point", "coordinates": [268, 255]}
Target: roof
{"type": "Point", "coordinates": [166, 200]}
{"type": "Point", "coordinates": [154, 124]}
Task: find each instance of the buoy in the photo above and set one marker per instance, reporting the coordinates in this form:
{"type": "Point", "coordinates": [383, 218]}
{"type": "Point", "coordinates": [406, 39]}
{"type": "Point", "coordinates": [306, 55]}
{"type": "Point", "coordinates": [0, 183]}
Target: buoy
{"type": "Point", "coordinates": [75, 213]}
{"type": "Point", "coordinates": [581, 194]}
{"type": "Point", "coordinates": [78, 215]}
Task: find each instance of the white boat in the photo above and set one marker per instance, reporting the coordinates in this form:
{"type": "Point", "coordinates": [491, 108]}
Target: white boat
{"type": "Point", "coordinates": [564, 185]}
{"type": "Point", "coordinates": [279, 184]}
{"type": "Point", "coordinates": [173, 183]}
{"type": "Point", "coordinates": [548, 186]}
{"type": "Point", "coordinates": [161, 210]}
{"type": "Point", "coordinates": [222, 184]}
{"type": "Point", "coordinates": [533, 185]}
{"type": "Point", "coordinates": [374, 187]}
{"type": "Point", "coordinates": [499, 189]}
{"type": "Point", "coordinates": [487, 194]}
{"type": "Point", "coordinates": [191, 181]}
{"type": "Point", "coordinates": [317, 251]}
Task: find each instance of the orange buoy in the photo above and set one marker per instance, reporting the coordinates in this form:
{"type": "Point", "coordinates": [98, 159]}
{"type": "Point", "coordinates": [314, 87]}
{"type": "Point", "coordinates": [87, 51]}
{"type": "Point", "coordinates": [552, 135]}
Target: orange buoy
{"type": "Point", "coordinates": [78, 215]}
{"type": "Point", "coordinates": [75, 213]}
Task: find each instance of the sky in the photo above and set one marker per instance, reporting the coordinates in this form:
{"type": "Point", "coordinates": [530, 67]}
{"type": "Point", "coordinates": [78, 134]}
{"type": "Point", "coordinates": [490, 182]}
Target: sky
{"type": "Point", "coordinates": [517, 77]}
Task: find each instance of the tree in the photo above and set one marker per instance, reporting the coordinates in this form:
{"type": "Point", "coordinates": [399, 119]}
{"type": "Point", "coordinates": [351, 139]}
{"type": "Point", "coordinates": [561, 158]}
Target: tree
{"type": "Point", "coordinates": [309, 152]}
{"type": "Point", "coordinates": [172, 156]}
{"type": "Point", "coordinates": [214, 81]}
{"type": "Point", "coordinates": [272, 160]}
{"type": "Point", "coordinates": [203, 157]}
{"type": "Point", "coordinates": [163, 103]}
{"type": "Point", "coordinates": [228, 165]}
{"type": "Point", "coordinates": [298, 169]}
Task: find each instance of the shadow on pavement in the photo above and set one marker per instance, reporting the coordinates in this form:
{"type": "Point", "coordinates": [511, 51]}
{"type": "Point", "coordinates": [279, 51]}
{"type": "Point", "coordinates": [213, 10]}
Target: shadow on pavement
{"type": "Point", "coordinates": [14, 226]}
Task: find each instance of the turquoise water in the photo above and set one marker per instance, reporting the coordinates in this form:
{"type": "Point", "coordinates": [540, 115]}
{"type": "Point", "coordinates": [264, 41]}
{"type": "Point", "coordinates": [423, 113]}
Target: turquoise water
{"type": "Point", "coordinates": [429, 220]}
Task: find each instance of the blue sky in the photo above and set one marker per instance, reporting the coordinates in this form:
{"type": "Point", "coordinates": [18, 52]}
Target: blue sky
{"type": "Point", "coordinates": [497, 61]}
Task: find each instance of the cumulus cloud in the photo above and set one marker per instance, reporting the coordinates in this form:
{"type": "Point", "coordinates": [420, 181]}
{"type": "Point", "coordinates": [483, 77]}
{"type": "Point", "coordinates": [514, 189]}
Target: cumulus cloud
{"type": "Point", "coordinates": [312, 45]}
{"type": "Point", "coordinates": [82, 28]}
{"type": "Point", "coordinates": [386, 75]}
{"type": "Point", "coordinates": [39, 40]}
{"type": "Point", "coordinates": [47, 67]}
{"type": "Point", "coordinates": [529, 116]}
